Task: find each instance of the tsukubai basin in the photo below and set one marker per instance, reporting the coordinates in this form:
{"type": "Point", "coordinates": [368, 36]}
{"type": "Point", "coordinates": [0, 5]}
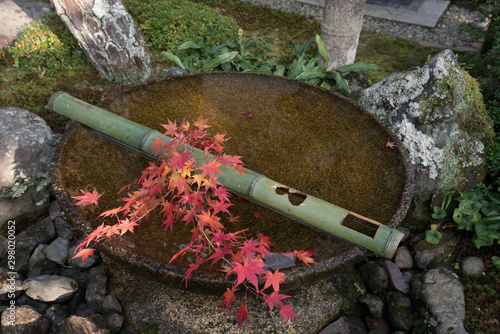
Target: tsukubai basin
{"type": "Point", "coordinates": [298, 134]}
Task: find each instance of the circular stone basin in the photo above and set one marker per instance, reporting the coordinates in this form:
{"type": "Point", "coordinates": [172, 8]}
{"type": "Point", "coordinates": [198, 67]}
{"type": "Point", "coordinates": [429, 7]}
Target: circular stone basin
{"type": "Point", "coordinates": [295, 133]}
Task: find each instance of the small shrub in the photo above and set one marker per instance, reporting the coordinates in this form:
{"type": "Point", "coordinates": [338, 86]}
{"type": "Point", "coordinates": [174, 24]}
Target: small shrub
{"type": "Point", "coordinates": [46, 45]}
{"type": "Point", "coordinates": [167, 24]}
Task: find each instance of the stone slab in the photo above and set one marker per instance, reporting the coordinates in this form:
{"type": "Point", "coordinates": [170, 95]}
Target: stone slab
{"type": "Point", "coordinates": [427, 14]}
{"type": "Point", "coordinates": [176, 310]}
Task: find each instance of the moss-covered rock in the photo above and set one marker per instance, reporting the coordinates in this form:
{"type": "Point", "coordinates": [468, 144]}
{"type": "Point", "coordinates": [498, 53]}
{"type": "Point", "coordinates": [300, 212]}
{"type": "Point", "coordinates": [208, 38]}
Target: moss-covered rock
{"type": "Point", "coordinates": [437, 111]}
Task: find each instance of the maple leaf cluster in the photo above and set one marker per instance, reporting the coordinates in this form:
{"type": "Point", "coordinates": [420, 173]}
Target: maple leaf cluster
{"type": "Point", "coordinates": [185, 190]}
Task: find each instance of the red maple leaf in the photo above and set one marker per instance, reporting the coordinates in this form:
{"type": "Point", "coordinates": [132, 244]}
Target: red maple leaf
{"type": "Point", "coordinates": [220, 253]}
{"type": "Point", "coordinates": [229, 297]}
{"type": "Point", "coordinates": [274, 280]}
{"type": "Point", "coordinates": [210, 169]}
{"type": "Point", "coordinates": [171, 128]}
{"type": "Point", "coordinates": [305, 256]}
{"type": "Point", "coordinates": [274, 300]}
{"type": "Point", "coordinates": [257, 215]}
{"type": "Point", "coordinates": [222, 193]}
{"type": "Point", "coordinates": [84, 253]}
{"type": "Point", "coordinates": [211, 219]}
{"type": "Point", "coordinates": [247, 115]}
{"type": "Point", "coordinates": [219, 206]}
{"type": "Point", "coordinates": [249, 246]}
{"type": "Point", "coordinates": [192, 267]}
{"type": "Point", "coordinates": [249, 271]}
{"type": "Point", "coordinates": [87, 198]}
{"type": "Point", "coordinates": [242, 314]}
{"type": "Point", "coordinates": [390, 144]}
{"type": "Point", "coordinates": [179, 159]}
{"type": "Point", "coordinates": [286, 312]}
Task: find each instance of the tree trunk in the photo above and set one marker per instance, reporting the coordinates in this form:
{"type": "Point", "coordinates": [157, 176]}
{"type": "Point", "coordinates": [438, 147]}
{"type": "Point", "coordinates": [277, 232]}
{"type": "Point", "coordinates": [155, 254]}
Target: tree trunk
{"type": "Point", "coordinates": [108, 36]}
{"type": "Point", "coordinates": [342, 23]}
{"type": "Point", "coordinates": [492, 33]}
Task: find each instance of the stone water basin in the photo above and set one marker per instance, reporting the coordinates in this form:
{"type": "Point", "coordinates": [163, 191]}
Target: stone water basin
{"type": "Point", "coordinates": [298, 134]}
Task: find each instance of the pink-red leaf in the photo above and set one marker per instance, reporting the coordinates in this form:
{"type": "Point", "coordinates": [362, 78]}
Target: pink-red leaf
{"type": "Point", "coordinates": [249, 271]}
{"type": "Point", "coordinates": [87, 198]}
{"type": "Point", "coordinates": [274, 300]}
{"type": "Point", "coordinates": [229, 297]}
{"type": "Point", "coordinates": [274, 280]}
{"type": "Point", "coordinates": [84, 253]}
{"type": "Point", "coordinates": [286, 312]}
{"type": "Point", "coordinates": [242, 314]}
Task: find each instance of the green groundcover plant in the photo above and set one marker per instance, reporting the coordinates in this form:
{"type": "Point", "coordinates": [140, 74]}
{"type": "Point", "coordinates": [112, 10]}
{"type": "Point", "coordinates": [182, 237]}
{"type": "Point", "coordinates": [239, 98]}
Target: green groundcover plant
{"type": "Point", "coordinates": [186, 192]}
{"type": "Point", "coordinates": [476, 212]}
{"type": "Point", "coordinates": [249, 56]}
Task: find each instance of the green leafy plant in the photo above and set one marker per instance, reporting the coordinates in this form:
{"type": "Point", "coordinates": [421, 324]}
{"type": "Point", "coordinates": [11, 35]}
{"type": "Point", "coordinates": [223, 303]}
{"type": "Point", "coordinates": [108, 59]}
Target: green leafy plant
{"type": "Point", "coordinates": [230, 56]}
{"type": "Point", "coordinates": [168, 24]}
{"type": "Point", "coordinates": [185, 190]}
{"type": "Point", "coordinates": [475, 212]}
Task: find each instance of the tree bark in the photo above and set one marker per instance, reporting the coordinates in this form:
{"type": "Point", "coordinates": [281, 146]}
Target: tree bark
{"type": "Point", "coordinates": [108, 36]}
{"type": "Point", "coordinates": [342, 23]}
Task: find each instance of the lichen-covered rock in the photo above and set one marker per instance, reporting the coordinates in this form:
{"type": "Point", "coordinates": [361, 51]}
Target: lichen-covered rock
{"type": "Point", "coordinates": [437, 112]}
{"type": "Point", "coordinates": [26, 148]}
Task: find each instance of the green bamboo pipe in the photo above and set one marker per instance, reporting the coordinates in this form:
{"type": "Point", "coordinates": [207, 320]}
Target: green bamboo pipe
{"type": "Point", "coordinates": [311, 211]}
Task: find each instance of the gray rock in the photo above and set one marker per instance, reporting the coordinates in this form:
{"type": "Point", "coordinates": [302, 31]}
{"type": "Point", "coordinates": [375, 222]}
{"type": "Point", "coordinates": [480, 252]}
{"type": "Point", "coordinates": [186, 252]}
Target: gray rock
{"type": "Point", "coordinates": [40, 265]}
{"type": "Point", "coordinates": [26, 148]}
{"type": "Point", "coordinates": [94, 324]}
{"type": "Point", "coordinates": [96, 287]}
{"type": "Point", "coordinates": [115, 321]}
{"type": "Point", "coordinates": [39, 306]}
{"type": "Point", "coordinates": [56, 313]}
{"type": "Point", "coordinates": [24, 320]}
{"type": "Point", "coordinates": [341, 325]}
{"type": "Point", "coordinates": [57, 251]}
{"type": "Point", "coordinates": [42, 232]}
{"type": "Point", "coordinates": [77, 261]}
{"type": "Point", "coordinates": [442, 291]}
{"type": "Point", "coordinates": [63, 228]}
{"type": "Point", "coordinates": [4, 245]}
{"type": "Point", "coordinates": [50, 288]}
{"type": "Point", "coordinates": [356, 325]}
{"type": "Point", "coordinates": [374, 324]}
{"type": "Point", "coordinates": [403, 258]}
{"type": "Point", "coordinates": [172, 72]}
{"type": "Point", "coordinates": [10, 282]}
{"type": "Point", "coordinates": [451, 326]}
{"type": "Point", "coordinates": [375, 304]}
{"type": "Point", "coordinates": [408, 276]}
{"type": "Point", "coordinates": [374, 276]}
{"type": "Point", "coordinates": [55, 210]}
{"type": "Point", "coordinates": [396, 278]}
{"type": "Point", "coordinates": [76, 300]}
{"type": "Point", "coordinates": [437, 112]}
{"type": "Point", "coordinates": [406, 233]}
{"type": "Point", "coordinates": [22, 261]}
{"type": "Point", "coordinates": [427, 253]}
{"type": "Point", "coordinates": [85, 310]}
{"type": "Point", "coordinates": [111, 304]}
{"type": "Point", "coordinates": [399, 311]}
{"type": "Point", "coordinates": [471, 266]}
